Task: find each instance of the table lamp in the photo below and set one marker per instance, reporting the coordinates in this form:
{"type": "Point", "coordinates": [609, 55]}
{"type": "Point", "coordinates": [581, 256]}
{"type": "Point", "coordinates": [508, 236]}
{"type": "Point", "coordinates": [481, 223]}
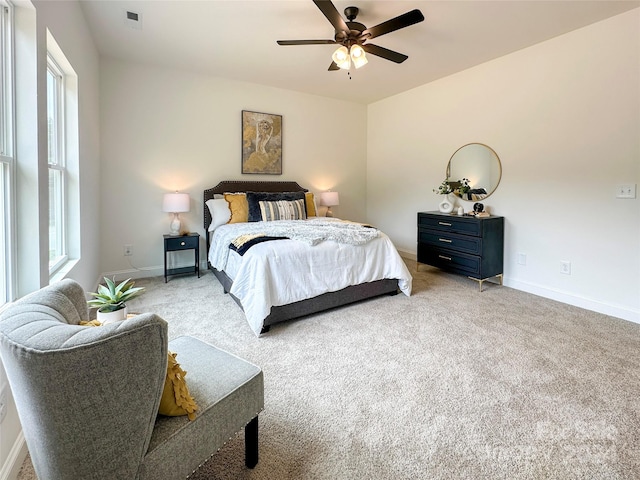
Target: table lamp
{"type": "Point", "coordinates": [175, 203]}
{"type": "Point", "coordinates": [329, 199]}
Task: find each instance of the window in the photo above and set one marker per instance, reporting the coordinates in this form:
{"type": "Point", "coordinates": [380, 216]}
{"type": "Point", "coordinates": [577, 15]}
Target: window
{"type": "Point", "coordinates": [63, 162]}
{"type": "Point", "coordinates": [6, 151]}
{"type": "Point", "coordinates": [56, 160]}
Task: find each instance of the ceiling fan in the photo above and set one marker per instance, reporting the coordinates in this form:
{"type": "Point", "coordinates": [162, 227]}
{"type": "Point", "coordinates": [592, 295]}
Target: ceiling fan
{"type": "Point", "coordinates": [353, 36]}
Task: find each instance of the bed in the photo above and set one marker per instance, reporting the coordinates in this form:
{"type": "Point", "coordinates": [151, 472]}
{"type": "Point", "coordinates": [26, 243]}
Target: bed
{"type": "Point", "coordinates": [292, 275]}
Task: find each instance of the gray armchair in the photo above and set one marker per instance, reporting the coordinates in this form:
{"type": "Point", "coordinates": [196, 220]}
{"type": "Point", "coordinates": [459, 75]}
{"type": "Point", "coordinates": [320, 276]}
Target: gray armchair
{"type": "Point", "coordinates": [88, 397]}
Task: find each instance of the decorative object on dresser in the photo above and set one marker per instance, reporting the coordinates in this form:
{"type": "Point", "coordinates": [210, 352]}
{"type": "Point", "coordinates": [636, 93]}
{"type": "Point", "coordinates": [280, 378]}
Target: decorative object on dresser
{"type": "Point", "coordinates": [261, 143]}
{"type": "Point", "coordinates": [447, 204]}
{"type": "Point", "coordinates": [175, 203]}
{"type": "Point", "coordinates": [329, 199]}
{"type": "Point", "coordinates": [466, 245]}
{"type": "Point", "coordinates": [189, 241]}
{"type": "Point", "coordinates": [302, 272]}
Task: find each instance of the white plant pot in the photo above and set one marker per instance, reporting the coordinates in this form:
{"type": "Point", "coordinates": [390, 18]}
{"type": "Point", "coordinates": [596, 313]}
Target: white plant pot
{"type": "Point", "coordinates": [110, 317]}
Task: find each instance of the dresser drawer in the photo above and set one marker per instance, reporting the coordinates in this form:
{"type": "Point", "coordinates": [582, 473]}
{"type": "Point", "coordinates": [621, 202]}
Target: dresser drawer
{"type": "Point", "coordinates": [451, 241]}
{"type": "Point", "coordinates": [448, 260]}
{"type": "Point", "coordinates": [181, 243]}
{"type": "Point", "coordinates": [449, 223]}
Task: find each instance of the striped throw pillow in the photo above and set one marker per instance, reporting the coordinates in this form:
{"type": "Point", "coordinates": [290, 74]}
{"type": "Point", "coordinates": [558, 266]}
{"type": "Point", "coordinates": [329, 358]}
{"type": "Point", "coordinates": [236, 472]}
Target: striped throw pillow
{"type": "Point", "coordinates": [282, 210]}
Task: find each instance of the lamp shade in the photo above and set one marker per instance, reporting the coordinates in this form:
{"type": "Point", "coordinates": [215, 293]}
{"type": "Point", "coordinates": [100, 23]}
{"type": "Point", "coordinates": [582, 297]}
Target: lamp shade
{"type": "Point", "coordinates": [329, 199]}
{"type": "Point", "coordinates": [175, 202]}
{"type": "Point", "coordinates": [341, 57]}
{"type": "Point", "coordinates": [358, 56]}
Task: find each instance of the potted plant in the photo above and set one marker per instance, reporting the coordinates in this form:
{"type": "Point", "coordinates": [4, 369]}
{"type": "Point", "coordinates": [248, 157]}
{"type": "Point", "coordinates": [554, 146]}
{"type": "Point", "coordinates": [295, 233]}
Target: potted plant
{"type": "Point", "coordinates": [446, 206]}
{"type": "Point", "coordinates": [110, 300]}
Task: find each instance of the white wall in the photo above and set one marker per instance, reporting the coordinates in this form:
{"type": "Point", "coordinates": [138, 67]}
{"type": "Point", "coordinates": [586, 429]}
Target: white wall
{"type": "Point", "coordinates": [564, 117]}
{"type": "Point", "coordinates": [166, 130]}
{"type": "Point", "coordinates": [65, 21]}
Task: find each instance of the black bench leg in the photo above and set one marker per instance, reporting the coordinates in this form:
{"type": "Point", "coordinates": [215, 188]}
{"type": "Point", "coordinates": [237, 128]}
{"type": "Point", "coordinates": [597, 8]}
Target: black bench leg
{"type": "Point", "coordinates": [251, 443]}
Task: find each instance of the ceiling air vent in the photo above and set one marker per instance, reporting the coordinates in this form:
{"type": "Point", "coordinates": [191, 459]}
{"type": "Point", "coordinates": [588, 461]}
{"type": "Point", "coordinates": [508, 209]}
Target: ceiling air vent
{"type": "Point", "coordinates": [133, 19]}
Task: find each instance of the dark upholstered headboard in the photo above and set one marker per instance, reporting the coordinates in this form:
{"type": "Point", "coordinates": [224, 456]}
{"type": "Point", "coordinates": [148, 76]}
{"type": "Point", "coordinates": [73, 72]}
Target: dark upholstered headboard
{"type": "Point", "coordinates": [234, 186]}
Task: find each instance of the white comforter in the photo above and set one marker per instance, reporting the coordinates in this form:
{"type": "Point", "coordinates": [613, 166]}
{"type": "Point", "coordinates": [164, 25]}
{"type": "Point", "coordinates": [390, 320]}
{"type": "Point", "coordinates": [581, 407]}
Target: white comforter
{"type": "Point", "coordinates": [280, 272]}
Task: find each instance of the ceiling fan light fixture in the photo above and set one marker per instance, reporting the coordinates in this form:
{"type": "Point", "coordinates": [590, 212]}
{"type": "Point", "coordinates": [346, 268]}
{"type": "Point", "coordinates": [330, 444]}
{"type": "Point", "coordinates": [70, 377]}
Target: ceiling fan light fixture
{"type": "Point", "coordinates": [358, 56]}
{"type": "Point", "coordinates": [342, 58]}
{"type": "Point", "coordinates": [351, 35]}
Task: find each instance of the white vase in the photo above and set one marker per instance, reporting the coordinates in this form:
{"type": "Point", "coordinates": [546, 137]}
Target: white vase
{"type": "Point", "coordinates": [110, 317]}
{"type": "Point", "coordinates": [447, 204]}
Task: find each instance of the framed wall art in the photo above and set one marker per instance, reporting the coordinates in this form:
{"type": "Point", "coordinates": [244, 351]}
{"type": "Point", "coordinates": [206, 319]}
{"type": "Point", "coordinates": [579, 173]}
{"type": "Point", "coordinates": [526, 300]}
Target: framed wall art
{"type": "Point", "coordinates": [261, 143]}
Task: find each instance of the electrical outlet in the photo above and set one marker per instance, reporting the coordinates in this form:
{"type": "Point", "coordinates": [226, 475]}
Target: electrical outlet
{"type": "Point", "coordinates": [3, 403]}
{"type": "Point", "coordinates": [565, 267]}
{"type": "Point", "coordinates": [522, 259]}
{"type": "Point", "coordinates": [128, 250]}
{"type": "Point", "coordinates": [626, 191]}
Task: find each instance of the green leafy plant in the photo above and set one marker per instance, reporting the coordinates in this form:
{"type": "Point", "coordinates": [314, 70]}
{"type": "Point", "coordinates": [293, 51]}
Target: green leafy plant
{"type": "Point", "coordinates": [444, 188]}
{"type": "Point", "coordinates": [461, 187]}
{"type": "Point", "coordinates": [113, 297]}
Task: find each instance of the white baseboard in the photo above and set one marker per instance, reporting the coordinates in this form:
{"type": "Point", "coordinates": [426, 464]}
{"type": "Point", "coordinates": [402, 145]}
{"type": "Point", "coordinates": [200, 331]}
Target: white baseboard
{"type": "Point", "coordinates": [408, 255]}
{"type": "Point", "coordinates": [561, 296]}
{"type": "Point", "coordinates": [575, 300]}
{"type": "Point", "coordinates": [143, 272]}
{"type": "Point", "coordinates": [14, 461]}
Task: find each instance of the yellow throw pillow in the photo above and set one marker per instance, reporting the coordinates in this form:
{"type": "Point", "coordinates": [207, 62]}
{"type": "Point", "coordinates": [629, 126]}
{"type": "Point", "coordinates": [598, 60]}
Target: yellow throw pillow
{"type": "Point", "coordinates": [309, 200]}
{"type": "Point", "coordinates": [238, 206]}
{"type": "Point", "coordinates": [176, 399]}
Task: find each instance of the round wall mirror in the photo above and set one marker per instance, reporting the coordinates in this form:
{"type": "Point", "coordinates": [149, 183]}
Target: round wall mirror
{"type": "Point", "coordinates": [474, 172]}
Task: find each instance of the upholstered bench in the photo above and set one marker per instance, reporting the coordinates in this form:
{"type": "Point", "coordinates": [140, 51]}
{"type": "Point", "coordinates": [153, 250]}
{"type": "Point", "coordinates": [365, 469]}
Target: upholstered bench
{"type": "Point", "coordinates": [88, 397]}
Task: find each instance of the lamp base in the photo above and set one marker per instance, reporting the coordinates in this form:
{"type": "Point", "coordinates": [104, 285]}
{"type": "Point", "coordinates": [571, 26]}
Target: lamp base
{"type": "Point", "coordinates": [174, 226]}
{"type": "Point", "coordinates": [329, 212]}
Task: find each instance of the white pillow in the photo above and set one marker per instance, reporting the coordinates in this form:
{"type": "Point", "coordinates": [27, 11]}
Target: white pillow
{"type": "Point", "coordinates": [220, 212]}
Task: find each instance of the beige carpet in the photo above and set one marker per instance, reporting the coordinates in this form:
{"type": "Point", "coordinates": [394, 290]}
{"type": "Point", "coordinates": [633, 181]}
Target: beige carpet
{"type": "Point", "coordinates": [450, 383]}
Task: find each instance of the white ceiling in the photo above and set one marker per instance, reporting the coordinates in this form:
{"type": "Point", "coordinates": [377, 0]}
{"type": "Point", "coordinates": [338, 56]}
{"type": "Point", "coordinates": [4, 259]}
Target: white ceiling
{"type": "Point", "coordinates": [236, 39]}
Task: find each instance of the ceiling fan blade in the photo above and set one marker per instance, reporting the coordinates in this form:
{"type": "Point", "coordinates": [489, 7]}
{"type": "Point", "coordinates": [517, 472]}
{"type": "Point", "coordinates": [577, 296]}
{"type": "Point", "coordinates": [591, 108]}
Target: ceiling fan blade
{"type": "Point", "coordinates": [305, 42]}
{"type": "Point", "coordinates": [404, 20]}
{"type": "Point", "coordinates": [333, 67]}
{"type": "Point", "coordinates": [384, 53]}
{"type": "Point", "coordinates": [332, 15]}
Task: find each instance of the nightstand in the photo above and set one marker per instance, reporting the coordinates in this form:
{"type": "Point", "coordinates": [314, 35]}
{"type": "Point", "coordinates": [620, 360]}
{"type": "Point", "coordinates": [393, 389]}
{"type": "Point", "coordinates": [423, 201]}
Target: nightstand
{"type": "Point", "coordinates": [175, 243]}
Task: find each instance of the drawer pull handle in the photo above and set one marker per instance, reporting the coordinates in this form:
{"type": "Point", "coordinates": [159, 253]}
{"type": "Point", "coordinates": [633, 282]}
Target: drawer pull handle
{"type": "Point", "coordinates": [443, 257]}
{"type": "Point", "coordinates": [182, 243]}
{"type": "Point", "coordinates": [444, 223]}
{"type": "Point", "coordinates": [445, 240]}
